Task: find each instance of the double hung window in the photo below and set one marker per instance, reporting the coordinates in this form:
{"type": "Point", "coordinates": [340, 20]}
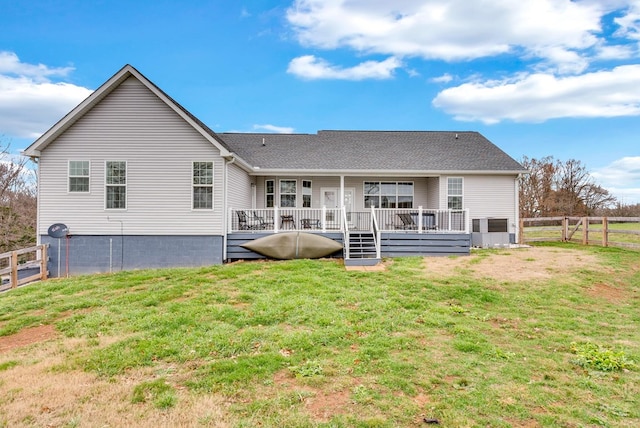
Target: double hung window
{"type": "Point", "coordinates": [269, 193]}
{"type": "Point", "coordinates": [306, 194]}
{"type": "Point", "coordinates": [202, 185]}
{"type": "Point", "coordinates": [454, 193]}
{"type": "Point", "coordinates": [288, 191]}
{"type": "Point", "coordinates": [116, 185]}
{"type": "Point", "coordinates": [79, 176]}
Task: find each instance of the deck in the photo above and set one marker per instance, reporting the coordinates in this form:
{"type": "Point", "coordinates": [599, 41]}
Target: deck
{"type": "Point", "coordinates": [364, 235]}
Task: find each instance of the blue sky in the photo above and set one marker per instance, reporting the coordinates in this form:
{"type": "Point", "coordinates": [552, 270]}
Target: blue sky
{"type": "Point", "coordinates": [538, 78]}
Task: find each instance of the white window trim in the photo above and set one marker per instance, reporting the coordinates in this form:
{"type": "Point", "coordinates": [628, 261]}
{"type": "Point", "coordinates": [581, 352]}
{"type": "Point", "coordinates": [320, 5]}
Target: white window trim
{"type": "Point", "coordinates": [396, 182]}
{"type": "Point", "coordinates": [280, 191]}
{"type": "Point", "coordinates": [125, 185]}
{"type": "Point", "coordinates": [213, 180]}
{"type": "Point", "coordinates": [69, 176]}
{"type": "Point", "coordinates": [461, 195]}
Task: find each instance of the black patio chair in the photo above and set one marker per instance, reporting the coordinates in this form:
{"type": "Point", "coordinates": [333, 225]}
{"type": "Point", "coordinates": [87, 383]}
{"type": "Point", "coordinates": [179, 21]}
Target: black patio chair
{"type": "Point", "coordinates": [407, 222]}
{"type": "Point", "coordinates": [251, 223]}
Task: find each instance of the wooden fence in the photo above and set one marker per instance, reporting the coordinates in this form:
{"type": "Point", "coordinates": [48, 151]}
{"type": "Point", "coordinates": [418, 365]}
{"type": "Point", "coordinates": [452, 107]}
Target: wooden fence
{"type": "Point", "coordinates": [22, 266]}
{"type": "Point", "coordinates": [605, 231]}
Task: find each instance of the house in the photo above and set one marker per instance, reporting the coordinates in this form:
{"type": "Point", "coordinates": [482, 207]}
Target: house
{"type": "Point", "coordinates": [140, 182]}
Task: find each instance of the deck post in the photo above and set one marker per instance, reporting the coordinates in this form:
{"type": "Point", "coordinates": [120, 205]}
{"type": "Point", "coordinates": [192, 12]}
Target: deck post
{"type": "Point", "coordinates": [466, 220]}
{"type": "Point", "coordinates": [275, 219]}
{"type": "Point", "coordinates": [324, 219]}
{"type": "Point", "coordinates": [420, 219]}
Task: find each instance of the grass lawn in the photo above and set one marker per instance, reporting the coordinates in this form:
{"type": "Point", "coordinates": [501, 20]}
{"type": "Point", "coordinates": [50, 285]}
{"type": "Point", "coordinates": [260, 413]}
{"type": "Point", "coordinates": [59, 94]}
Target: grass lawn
{"type": "Point", "coordinates": [305, 343]}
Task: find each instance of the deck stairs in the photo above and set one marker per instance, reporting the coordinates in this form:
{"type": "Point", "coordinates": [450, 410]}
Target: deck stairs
{"type": "Point", "coordinates": [362, 249]}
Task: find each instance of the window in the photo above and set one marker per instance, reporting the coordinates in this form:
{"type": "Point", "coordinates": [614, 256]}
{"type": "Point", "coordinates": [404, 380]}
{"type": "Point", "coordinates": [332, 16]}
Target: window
{"type": "Point", "coordinates": [270, 193]}
{"type": "Point", "coordinates": [202, 185]}
{"type": "Point", "coordinates": [388, 194]}
{"type": "Point", "coordinates": [79, 176]}
{"type": "Point", "coordinates": [116, 185]}
{"type": "Point", "coordinates": [454, 193]}
{"type": "Point", "coordinates": [306, 194]}
{"type": "Point", "coordinates": [288, 193]}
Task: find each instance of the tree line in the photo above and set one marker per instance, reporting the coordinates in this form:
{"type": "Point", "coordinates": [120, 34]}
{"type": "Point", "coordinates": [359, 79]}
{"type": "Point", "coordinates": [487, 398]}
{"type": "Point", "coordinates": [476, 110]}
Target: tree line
{"type": "Point", "coordinates": [17, 202]}
{"type": "Point", "coordinates": [553, 188]}
{"type": "Point", "coordinates": [556, 188]}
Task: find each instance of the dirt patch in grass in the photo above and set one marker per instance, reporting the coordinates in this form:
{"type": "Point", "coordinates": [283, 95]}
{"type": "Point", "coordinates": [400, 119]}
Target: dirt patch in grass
{"type": "Point", "coordinates": [41, 390]}
{"type": "Point", "coordinates": [320, 404]}
{"type": "Point", "coordinates": [518, 264]}
{"type": "Point", "coordinates": [608, 292]}
{"type": "Point", "coordinates": [27, 336]}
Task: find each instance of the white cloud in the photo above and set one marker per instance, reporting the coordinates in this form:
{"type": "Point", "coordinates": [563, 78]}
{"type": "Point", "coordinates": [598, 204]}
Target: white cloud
{"type": "Point", "coordinates": [445, 78]}
{"type": "Point", "coordinates": [539, 97]}
{"type": "Point", "coordinates": [558, 32]}
{"type": "Point", "coordinates": [310, 67]}
{"type": "Point", "coordinates": [621, 178]}
{"type": "Point", "coordinates": [10, 64]}
{"type": "Point", "coordinates": [274, 128]}
{"type": "Point", "coordinates": [30, 102]}
{"type": "Point", "coordinates": [623, 170]}
{"type": "Point", "coordinates": [630, 22]}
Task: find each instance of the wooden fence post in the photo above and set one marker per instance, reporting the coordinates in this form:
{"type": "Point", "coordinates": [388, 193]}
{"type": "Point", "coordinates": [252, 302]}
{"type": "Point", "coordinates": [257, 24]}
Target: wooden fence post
{"type": "Point", "coordinates": [585, 231]}
{"type": "Point", "coordinates": [14, 269]}
{"type": "Point", "coordinates": [521, 232]}
{"type": "Point", "coordinates": [565, 229]}
{"type": "Point", "coordinates": [605, 231]}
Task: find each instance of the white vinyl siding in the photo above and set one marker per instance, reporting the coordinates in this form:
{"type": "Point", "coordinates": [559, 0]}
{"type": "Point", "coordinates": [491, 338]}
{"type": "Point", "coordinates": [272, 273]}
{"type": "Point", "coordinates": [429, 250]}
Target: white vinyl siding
{"type": "Point", "coordinates": [202, 173]}
{"type": "Point", "coordinates": [238, 187]}
{"type": "Point", "coordinates": [132, 125]}
{"type": "Point", "coordinates": [79, 173]}
{"type": "Point", "coordinates": [433, 193]}
{"type": "Point", "coordinates": [488, 196]}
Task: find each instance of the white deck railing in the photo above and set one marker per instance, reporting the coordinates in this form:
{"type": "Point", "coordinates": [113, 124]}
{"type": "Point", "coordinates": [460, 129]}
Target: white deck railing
{"type": "Point", "coordinates": [332, 220]}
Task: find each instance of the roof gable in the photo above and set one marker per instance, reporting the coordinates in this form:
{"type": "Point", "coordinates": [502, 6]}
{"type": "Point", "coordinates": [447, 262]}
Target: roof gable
{"type": "Point", "coordinates": [103, 91]}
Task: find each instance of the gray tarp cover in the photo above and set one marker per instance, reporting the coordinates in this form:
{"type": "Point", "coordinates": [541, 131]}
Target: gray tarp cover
{"type": "Point", "coordinates": [293, 245]}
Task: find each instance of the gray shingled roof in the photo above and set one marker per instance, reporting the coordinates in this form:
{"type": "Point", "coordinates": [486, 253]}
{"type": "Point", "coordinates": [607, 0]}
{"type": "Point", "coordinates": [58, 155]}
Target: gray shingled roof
{"type": "Point", "coordinates": [372, 150]}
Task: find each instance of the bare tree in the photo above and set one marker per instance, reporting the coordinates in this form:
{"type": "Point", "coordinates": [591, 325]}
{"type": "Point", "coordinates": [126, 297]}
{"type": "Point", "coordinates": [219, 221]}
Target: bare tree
{"type": "Point", "coordinates": [537, 187]}
{"type": "Point", "coordinates": [555, 188]}
{"type": "Point", "coordinates": [17, 202]}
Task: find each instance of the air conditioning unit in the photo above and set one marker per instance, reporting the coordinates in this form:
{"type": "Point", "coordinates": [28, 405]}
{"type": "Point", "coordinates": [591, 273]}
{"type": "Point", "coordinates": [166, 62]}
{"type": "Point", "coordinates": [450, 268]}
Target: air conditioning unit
{"type": "Point", "coordinates": [490, 232]}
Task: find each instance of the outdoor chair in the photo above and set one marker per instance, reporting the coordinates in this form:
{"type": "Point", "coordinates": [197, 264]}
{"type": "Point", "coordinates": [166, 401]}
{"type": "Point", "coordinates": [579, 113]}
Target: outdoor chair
{"type": "Point", "coordinates": [251, 223]}
{"type": "Point", "coordinates": [288, 221]}
{"type": "Point", "coordinates": [310, 223]}
{"type": "Point", "coordinates": [407, 222]}
{"type": "Point", "coordinates": [264, 224]}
